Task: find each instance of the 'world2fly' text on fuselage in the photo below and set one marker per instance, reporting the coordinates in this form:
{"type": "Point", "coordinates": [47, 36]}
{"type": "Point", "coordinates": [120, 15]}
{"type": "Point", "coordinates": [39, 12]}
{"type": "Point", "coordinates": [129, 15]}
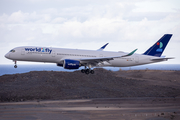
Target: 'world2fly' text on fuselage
{"type": "Point", "coordinates": [75, 58]}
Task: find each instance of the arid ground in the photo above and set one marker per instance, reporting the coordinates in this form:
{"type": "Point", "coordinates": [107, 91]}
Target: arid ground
{"type": "Point", "coordinates": [52, 85]}
{"type": "Point", "coordinates": [133, 94]}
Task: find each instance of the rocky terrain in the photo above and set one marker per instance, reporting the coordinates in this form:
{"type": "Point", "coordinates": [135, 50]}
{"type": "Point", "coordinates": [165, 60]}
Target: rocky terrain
{"type": "Point", "coordinates": [55, 85]}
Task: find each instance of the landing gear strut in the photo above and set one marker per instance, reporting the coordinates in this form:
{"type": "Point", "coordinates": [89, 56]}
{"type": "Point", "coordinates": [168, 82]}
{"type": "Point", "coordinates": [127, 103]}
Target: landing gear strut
{"type": "Point", "coordinates": [15, 66]}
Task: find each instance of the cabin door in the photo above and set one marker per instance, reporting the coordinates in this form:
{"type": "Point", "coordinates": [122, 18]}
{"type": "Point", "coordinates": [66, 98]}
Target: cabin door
{"type": "Point", "coordinates": [22, 52]}
{"type": "Point", "coordinates": [53, 53]}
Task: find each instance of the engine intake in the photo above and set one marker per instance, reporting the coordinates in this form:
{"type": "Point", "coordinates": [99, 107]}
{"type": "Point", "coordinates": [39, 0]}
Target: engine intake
{"type": "Point", "coordinates": [71, 64]}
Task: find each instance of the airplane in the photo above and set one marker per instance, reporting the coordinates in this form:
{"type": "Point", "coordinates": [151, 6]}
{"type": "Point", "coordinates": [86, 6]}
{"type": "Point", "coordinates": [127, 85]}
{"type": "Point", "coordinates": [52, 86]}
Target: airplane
{"type": "Point", "coordinates": [75, 58]}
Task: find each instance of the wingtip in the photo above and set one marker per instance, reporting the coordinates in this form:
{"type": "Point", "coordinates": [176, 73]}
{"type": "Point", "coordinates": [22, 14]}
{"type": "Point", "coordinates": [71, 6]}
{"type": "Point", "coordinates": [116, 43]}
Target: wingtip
{"type": "Point", "coordinates": [131, 53]}
{"type": "Point", "coordinates": [168, 34]}
{"type": "Point", "coordinates": [134, 51]}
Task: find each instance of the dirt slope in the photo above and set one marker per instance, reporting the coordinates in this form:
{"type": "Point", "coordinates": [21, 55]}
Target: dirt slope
{"type": "Point", "coordinates": [42, 85]}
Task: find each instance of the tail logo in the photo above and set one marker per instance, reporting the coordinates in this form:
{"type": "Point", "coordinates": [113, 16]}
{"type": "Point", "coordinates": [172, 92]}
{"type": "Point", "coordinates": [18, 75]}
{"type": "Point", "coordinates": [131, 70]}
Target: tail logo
{"type": "Point", "coordinates": [160, 44]}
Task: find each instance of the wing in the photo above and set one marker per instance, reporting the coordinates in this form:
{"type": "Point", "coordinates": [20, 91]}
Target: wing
{"type": "Point", "coordinates": [101, 59]}
{"type": "Point", "coordinates": [94, 61]}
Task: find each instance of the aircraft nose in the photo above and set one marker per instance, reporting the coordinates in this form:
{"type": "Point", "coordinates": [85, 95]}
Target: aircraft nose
{"type": "Point", "coordinates": [7, 55]}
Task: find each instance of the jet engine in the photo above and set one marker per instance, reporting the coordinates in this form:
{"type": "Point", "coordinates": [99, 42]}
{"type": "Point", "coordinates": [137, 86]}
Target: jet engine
{"type": "Point", "coordinates": [58, 64]}
{"type": "Point", "coordinates": [71, 64]}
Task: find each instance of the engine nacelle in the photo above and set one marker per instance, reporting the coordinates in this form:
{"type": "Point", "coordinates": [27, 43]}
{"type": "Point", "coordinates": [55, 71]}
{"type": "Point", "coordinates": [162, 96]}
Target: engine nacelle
{"type": "Point", "coordinates": [71, 64]}
{"type": "Point", "coordinates": [61, 65]}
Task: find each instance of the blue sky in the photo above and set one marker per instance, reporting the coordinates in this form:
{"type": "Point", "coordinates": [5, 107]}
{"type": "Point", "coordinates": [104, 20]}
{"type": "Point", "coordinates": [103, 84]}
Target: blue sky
{"type": "Point", "coordinates": [89, 24]}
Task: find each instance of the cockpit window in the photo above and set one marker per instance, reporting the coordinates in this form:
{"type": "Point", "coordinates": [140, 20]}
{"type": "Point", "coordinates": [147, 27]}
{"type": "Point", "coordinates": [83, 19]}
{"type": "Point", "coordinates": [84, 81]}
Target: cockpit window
{"type": "Point", "coordinates": [12, 50]}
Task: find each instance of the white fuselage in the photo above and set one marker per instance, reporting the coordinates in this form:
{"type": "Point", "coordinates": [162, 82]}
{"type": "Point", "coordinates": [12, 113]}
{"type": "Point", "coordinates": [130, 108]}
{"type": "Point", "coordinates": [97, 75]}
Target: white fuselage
{"type": "Point", "coordinates": [56, 55]}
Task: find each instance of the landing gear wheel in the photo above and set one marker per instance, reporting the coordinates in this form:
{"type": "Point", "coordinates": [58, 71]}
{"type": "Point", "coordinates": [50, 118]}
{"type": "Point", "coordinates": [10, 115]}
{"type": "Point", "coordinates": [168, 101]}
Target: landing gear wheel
{"type": "Point", "coordinates": [87, 71]}
{"type": "Point", "coordinates": [92, 71]}
{"type": "Point", "coordinates": [15, 66]}
{"type": "Point", "coordinates": [83, 71]}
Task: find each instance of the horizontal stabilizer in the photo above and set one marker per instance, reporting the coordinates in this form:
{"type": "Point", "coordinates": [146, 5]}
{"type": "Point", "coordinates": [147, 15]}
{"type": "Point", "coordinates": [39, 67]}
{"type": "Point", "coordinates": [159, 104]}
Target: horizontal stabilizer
{"type": "Point", "coordinates": [161, 59]}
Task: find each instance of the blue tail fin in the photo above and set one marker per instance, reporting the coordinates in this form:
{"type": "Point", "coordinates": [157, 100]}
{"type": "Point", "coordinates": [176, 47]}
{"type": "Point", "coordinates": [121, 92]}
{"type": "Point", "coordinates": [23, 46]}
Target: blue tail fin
{"type": "Point", "coordinates": [158, 48]}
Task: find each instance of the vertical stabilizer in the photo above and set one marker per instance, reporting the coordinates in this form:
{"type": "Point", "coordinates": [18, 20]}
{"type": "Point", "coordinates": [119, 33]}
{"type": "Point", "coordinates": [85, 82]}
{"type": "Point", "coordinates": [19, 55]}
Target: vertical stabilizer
{"type": "Point", "coordinates": [158, 48]}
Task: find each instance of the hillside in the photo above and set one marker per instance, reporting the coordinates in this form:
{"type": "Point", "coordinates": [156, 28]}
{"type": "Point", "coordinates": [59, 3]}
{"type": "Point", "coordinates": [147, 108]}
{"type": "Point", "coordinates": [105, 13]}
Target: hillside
{"type": "Point", "coordinates": [53, 85]}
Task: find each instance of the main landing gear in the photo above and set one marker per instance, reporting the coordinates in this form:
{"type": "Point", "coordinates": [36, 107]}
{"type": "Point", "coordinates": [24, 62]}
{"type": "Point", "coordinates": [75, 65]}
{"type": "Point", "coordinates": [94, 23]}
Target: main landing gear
{"type": "Point", "coordinates": [15, 66]}
{"type": "Point", "coordinates": [87, 71]}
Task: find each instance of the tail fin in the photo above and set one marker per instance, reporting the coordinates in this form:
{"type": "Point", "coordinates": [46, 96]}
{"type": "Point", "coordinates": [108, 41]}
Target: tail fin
{"type": "Point", "coordinates": [158, 48]}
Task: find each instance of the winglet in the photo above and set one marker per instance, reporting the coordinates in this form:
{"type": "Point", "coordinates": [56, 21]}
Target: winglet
{"type": "Point", "coordinates": [103, 47]}
{"type": "Point", "coordinates": [131, 53]}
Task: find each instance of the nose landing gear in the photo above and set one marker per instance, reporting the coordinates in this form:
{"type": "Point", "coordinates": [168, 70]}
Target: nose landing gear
{"type": "Point", "coordinates": [15, 66]}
